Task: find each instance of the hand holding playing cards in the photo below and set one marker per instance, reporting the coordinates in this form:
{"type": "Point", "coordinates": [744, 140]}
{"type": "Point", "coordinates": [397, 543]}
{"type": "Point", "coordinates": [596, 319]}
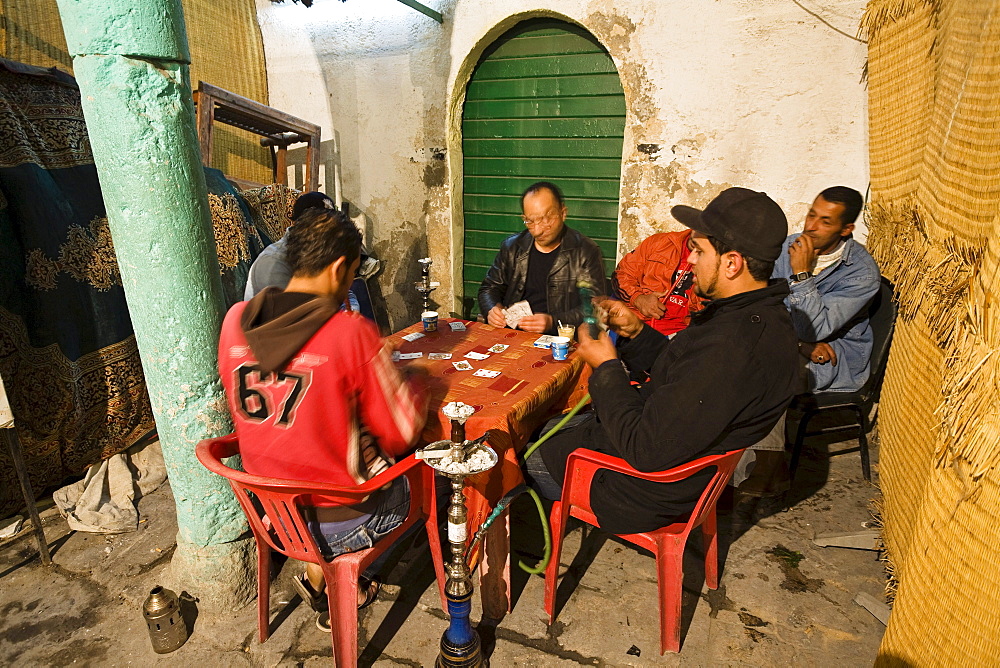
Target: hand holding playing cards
{"type": "Point", "coordinates": [620, 318]}
{"type": "Point", "coordinates": [496, 317]}
{"type": "Point", "coordinates": [539, 323]}
{"type": "Point", "coordinates": [595, 352]}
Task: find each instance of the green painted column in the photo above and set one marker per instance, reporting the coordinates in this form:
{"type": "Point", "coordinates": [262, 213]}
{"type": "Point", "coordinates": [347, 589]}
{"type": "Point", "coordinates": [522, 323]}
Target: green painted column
{"type": "Point", "coordinates": [131, 63]}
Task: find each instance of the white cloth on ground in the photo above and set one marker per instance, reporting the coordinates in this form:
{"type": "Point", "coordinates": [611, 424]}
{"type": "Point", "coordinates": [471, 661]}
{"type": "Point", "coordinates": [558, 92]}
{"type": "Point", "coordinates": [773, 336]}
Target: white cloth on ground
{"type": "Point", "coordinates": [105, 501]}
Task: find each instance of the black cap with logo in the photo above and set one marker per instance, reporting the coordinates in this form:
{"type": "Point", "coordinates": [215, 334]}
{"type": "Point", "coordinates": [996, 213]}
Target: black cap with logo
{"type": "Point", "coordinates": [746, 220]}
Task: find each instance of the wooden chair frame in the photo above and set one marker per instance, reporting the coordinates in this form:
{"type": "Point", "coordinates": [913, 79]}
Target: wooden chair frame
{"type": "Point", "coordinates": [277, 130]}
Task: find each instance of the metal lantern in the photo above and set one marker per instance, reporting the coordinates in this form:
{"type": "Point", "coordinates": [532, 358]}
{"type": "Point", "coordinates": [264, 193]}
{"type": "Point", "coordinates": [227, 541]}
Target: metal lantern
{"type": "Point", "coordinates": [162, 612]}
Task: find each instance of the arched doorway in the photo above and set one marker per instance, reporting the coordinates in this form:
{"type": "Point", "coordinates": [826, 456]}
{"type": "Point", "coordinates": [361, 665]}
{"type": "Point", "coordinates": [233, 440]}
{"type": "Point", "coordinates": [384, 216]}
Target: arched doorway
{"type": "Point", "coordinates": [543, 103]}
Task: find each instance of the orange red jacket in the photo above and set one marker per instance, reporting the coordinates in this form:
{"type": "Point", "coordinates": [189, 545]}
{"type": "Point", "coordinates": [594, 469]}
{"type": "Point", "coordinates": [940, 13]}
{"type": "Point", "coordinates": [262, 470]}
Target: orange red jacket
{"type": "Point", "coordinates": [659, 264]}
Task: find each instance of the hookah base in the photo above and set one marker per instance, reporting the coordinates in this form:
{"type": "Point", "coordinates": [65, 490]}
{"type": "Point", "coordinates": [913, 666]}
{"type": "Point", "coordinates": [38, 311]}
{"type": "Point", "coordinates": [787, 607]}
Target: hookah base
{"type": "Point", "coordinates": [454, 655]}
{"type": "Point", "coordinates": [460, 644]}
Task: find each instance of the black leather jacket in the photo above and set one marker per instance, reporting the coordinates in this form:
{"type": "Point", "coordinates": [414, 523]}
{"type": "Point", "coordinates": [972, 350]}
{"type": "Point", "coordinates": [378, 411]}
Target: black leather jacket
{"type": "Point", "coordinates": [579, 259]}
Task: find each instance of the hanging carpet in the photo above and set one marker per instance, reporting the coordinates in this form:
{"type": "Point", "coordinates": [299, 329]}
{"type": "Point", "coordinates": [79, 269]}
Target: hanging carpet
{"type": "Point", "coordinates": [68, 355]}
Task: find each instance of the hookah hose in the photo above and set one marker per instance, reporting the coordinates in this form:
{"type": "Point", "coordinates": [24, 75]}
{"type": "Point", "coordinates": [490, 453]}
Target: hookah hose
{"type": "Point", "coordinates": [471, 556]}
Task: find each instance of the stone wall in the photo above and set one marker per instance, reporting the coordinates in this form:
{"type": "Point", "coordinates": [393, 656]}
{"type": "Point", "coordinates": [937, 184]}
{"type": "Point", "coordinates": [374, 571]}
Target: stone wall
{"type": "Point", "coordinates": [766, 94]}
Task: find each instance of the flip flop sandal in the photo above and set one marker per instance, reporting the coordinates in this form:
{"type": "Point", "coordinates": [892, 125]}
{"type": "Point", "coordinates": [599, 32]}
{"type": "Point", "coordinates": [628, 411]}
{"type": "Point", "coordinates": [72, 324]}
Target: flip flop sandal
{"type": "Point", "coordinates": [371, 593]}
{"type": "Point", "coordinates": [312, 598]}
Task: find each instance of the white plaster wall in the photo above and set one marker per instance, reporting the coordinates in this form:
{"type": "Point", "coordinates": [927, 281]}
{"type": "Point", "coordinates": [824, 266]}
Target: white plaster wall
{"type": "Point", "coordinates": [372, 73]}
{"type": "Point", "coordinates": [756, 93]}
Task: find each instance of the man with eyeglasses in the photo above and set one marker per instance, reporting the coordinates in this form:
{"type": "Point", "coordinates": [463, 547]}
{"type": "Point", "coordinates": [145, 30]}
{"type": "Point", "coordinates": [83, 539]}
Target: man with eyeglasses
{"type": "Point", "coordinates": [542, 266]}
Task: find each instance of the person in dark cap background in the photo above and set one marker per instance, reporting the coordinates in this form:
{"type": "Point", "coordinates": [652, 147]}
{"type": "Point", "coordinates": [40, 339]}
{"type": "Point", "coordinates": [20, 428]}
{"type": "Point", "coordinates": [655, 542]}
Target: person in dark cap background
{"type": "Point", "coordinates": [272, 268]}
{"type": "Point", "coordinates": [719, 385]}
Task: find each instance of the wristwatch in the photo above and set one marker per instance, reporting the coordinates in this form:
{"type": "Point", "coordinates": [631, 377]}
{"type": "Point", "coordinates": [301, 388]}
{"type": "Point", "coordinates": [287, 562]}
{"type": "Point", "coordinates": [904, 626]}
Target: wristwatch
{"type": "Point", "coordinates": [799, 277]}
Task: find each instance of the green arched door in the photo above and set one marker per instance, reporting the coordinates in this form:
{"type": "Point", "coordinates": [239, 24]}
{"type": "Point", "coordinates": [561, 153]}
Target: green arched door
{"type": "Point", "coordinates": [544, 103]}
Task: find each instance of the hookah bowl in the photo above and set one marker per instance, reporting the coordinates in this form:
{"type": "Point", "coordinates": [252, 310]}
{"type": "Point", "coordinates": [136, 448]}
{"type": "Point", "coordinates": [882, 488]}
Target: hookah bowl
{"type": "Point", "coordinates": [460, 644]}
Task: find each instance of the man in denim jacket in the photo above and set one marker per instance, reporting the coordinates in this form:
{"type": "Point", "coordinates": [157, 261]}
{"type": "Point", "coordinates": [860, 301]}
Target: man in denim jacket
{"type": "Point", "coordinates": [832, 279]}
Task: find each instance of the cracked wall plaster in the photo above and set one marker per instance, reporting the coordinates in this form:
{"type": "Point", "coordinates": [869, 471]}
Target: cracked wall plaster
{"type": "Point", "coordinates": [755, 93]}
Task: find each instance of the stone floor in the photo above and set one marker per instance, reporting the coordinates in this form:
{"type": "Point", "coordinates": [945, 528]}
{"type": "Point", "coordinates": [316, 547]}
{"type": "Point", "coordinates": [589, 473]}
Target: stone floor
{"type": "Point", "coordinates": [782, 600]}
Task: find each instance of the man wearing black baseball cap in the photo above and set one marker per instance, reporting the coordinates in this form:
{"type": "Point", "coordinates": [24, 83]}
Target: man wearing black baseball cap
{"type": "Point", "coordinates": [272, 268]}
{"type": "Point", "coordinates": [719, 385]}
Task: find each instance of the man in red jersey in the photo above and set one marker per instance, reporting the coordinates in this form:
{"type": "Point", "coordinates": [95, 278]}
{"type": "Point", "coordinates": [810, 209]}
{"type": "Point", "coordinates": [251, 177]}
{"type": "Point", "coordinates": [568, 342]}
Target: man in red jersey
{"type": "Point", "coordinates": [315, 396]}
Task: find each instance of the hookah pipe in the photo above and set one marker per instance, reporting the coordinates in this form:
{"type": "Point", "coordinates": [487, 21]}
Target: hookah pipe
{"type": "Point", "coordinates": [461, 646]}
{"type": "Point", "coordinates": [425, 286]}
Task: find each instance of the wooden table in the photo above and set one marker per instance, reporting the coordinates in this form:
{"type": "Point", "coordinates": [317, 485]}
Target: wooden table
{"type": "Point", "coordinates": [531, 388]}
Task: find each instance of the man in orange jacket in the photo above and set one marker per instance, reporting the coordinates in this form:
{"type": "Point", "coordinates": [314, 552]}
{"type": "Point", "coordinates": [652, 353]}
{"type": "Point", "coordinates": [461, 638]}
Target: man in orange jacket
{"type": "Point", "coordinates": [655, 281]}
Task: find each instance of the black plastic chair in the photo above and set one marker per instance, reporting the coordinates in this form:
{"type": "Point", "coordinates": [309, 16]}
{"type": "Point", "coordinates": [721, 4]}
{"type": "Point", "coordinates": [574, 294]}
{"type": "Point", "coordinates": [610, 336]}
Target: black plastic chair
{"type": "Point", "coordinates": [882, 316]}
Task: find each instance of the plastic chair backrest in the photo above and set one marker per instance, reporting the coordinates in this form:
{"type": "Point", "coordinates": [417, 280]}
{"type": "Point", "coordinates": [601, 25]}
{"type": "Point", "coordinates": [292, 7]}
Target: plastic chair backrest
{"type": "Point", "coordinates": [278, 500]}
{"type": "Point", "coordinates": [882, 317]}
{"type": "Point", "coordinates": [724, 464]}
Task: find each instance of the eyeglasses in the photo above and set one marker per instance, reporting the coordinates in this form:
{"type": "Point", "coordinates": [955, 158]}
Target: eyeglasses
{"type": "Point", "coordinates": [547, 220]}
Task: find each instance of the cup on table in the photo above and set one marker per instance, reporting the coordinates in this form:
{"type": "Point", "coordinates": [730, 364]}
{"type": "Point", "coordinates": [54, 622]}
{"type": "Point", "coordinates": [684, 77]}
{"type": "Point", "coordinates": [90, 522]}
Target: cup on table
{"type": "Point", "coordinates": [560, 347]}
{"type": "Point", "coordinates": [567, 331]}
{"type": "Point", "coordinates": [430, 320]}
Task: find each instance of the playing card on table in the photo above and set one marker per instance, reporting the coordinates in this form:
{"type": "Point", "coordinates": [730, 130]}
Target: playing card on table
{"type": "Point", "coordinates": [439, 356]}
{"type": "Point", "coordinates": [476, 356]}
{"type": "Point", "coordinates": [462, 366]}
{"type": "Point", "coordinates": [410, 356]}
{"type": "Point", "coordinates": [414, 336]}
{"type": "Point", "coordinates": [457, 326]}
{"type": "Point", "coordinates": [498, 348]}
{"type": "Point", "coordinates": [486, 373]}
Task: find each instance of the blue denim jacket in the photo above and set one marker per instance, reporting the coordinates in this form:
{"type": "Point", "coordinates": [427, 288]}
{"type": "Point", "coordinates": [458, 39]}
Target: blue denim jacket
{"type": "Point", "coordinates": [832, 307]}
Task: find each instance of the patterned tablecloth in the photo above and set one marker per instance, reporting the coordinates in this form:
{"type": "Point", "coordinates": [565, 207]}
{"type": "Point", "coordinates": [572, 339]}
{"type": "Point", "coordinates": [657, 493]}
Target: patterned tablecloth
{"type": "Point", "coordinates": [531, 388]}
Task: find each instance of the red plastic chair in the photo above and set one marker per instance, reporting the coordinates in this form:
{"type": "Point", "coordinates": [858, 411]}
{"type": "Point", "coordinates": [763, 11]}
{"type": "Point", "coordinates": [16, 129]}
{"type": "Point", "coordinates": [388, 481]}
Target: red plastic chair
{"type": "Point", "coordinates": [667, 544]}
{"type": "Point", "coordinates": [287, 533]}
